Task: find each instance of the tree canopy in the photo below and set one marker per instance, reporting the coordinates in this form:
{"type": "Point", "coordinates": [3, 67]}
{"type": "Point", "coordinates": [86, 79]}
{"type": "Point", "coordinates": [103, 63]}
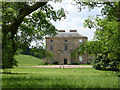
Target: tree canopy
{"type": "Point", "coordinates": [24, 22]}
{"type": "Point", "coordinates": [106, 45]}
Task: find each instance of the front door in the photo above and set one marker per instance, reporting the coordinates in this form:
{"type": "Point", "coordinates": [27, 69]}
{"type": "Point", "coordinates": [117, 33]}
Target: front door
{"type": "Point", "coordinates": [65, 61]}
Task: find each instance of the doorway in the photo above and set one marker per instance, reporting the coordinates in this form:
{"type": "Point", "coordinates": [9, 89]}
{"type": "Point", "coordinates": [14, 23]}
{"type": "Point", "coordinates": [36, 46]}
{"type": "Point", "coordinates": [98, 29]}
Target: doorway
{"type": "Point", "coordinates": [65, 61]}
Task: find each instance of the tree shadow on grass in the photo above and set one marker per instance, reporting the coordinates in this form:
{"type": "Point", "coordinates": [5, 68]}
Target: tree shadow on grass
{"type": "Point", "coordinates": [15, 73]}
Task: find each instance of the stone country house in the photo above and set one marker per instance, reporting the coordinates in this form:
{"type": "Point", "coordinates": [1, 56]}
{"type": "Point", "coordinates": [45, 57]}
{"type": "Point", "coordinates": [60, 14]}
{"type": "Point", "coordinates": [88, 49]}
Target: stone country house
{"type": "Point", "coordinates": [63, 44]}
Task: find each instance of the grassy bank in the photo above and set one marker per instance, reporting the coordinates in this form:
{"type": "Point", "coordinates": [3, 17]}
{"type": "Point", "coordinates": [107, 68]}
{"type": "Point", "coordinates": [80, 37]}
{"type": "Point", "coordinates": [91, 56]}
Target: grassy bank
{"type": "Point", "coordinates": [59, 78]}
{"type": "Point", "coordinates": [27, 60]}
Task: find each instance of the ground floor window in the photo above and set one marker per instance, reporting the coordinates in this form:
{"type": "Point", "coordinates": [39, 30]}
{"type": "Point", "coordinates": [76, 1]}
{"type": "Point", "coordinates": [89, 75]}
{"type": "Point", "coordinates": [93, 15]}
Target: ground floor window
{"type": "Point", "coordinates": [80, 58]}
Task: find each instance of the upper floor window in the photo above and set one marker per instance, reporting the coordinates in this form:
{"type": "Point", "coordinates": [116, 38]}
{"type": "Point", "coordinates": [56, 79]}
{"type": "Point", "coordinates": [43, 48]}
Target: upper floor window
{"type": "Point", "coordinates": [51, 40]}
{"type": "Point", "coordinates": [80, 40]}
{"type": "Point", "coordinates": [51, 47]}
{"type": "Point", "coordinates": [66, 48]}
{"type": "Point", "coordinates": [65, 41]}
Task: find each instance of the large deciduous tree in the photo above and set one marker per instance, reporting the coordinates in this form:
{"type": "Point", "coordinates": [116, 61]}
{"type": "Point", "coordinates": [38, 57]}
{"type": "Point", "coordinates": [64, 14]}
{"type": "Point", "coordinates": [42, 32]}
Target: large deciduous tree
{"type": "Point", "coordinates": [23, 22]}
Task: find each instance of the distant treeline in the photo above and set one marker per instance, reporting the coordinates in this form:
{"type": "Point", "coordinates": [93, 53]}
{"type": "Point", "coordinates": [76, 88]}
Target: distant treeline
{"type": "Point", "coordinates": [34, 51]}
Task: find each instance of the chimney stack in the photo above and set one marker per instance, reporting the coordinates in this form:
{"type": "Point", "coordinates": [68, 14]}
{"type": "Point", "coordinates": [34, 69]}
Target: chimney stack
{"type": "Point", "coordinates": [61, 31]}
{"type": "Point", "coordinates": [73, 30]}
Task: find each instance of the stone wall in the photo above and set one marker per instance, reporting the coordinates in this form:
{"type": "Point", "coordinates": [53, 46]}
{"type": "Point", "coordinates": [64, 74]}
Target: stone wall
{"type": "Point", "coordinates": [59, 48]}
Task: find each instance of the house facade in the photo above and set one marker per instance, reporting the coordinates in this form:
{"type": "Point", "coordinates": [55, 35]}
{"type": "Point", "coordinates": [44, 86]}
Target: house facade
{"type": "Point", "coordinates": [63, 44]}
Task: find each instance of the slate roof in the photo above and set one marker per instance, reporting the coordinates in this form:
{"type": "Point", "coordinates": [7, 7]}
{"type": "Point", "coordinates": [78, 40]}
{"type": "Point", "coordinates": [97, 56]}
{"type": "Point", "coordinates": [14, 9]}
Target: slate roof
{"type": "Point", "coordinates": [68, 34]}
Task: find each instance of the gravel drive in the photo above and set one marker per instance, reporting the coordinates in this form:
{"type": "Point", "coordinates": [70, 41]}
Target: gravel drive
{"type": "Point", "coordinates": [64, 66]}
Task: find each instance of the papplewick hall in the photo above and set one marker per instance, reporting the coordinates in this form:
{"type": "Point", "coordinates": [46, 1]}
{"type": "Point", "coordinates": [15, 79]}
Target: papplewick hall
{"type": "Point", "coordinates": [63, 44]}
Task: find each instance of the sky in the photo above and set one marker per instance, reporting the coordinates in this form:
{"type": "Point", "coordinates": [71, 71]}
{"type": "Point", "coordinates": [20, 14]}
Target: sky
{"type": "Point", "coordinates": [74, 19]}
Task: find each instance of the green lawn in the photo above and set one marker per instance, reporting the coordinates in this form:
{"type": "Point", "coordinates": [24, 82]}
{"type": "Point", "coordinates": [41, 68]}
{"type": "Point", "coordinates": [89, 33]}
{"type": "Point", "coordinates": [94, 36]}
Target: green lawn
{"type": "Point", "coordinates": [59, 78]}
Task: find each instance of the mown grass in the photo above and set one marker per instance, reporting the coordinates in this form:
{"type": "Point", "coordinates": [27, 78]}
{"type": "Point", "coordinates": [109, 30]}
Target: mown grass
{"type": "Point", "coordinates": [59, 78]}
{"type": "Point", "coordinates": [32, 77]}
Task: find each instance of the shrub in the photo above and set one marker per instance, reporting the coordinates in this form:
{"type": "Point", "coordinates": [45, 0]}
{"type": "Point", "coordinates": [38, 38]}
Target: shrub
{"type": "Point", "coordinates": [75, 63]}
{"type": "Point", "coordinates": [44, 63]}
{"type": "Point", "coordinates": [55, 62]}
{"type": "Point", "coordinates": [103, 63]}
